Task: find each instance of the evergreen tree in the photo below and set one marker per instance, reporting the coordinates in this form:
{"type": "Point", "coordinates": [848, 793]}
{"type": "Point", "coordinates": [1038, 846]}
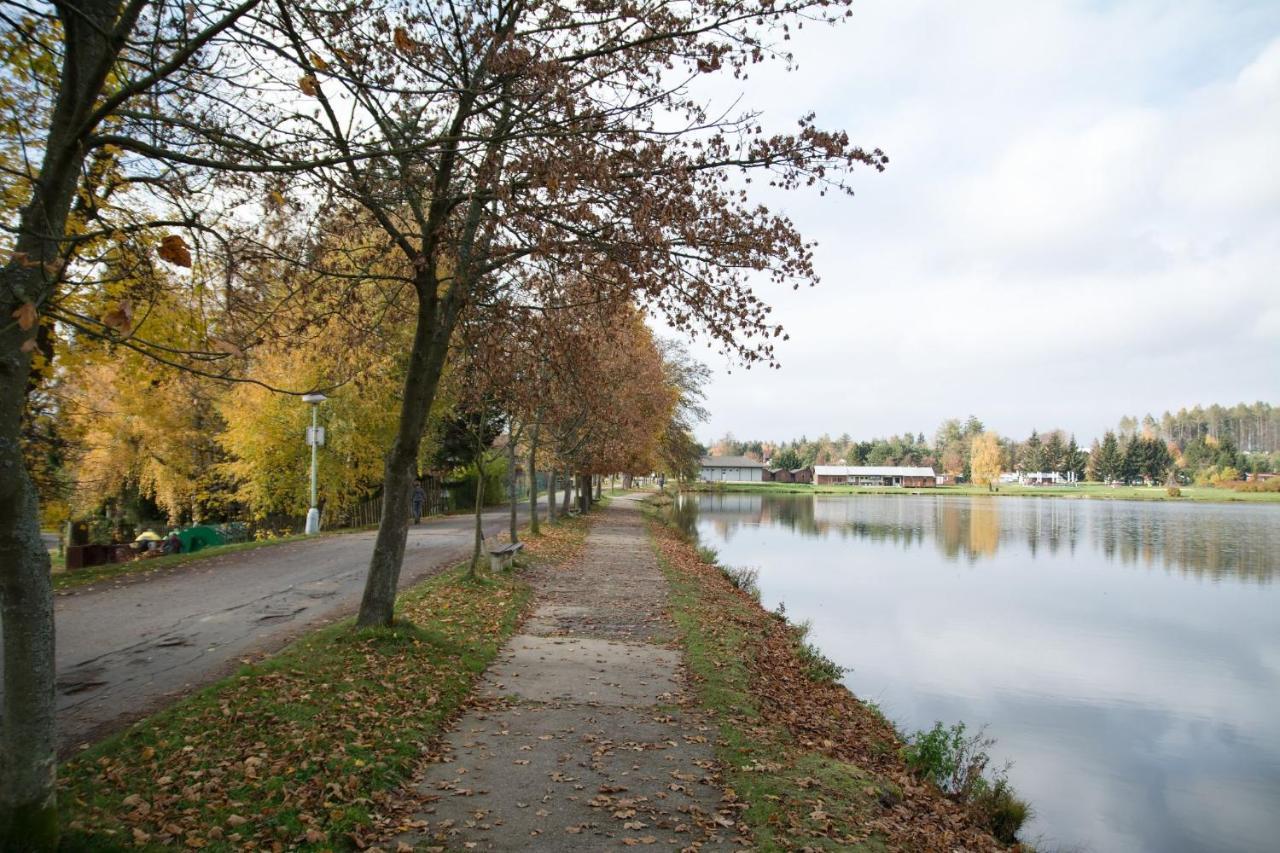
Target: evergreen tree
{"type": "Point", "coordinates": [1033, 454]}
{"type": "Point", "coordinates": [1131, 461]}
{"type": "Point", "coordinates": [1073, 462]}
{"type": "Point", "coordinates": [1156, 459]}
{"type": "Point", "coordinates": [1054, 453]}
{"type": "Point", "coordinates": [1109, 458]}
{"type": "Point", "coordinates": [1228, 456]}
{"type": "Point", "coordinates": [787, 459]}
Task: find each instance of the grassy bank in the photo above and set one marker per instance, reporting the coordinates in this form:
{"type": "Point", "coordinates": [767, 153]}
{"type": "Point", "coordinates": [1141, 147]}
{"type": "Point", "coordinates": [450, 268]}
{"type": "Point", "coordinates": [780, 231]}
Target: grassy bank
{"type": "Point", "coordinates": [309, 749]}
{"type": "Point", "coordinates": [1086, 491]}
{"type": "Point", "coordinates": [813, 767]}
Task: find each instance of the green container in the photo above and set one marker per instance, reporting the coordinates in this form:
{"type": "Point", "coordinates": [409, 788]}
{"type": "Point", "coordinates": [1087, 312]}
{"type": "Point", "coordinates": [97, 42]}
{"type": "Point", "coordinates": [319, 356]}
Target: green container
{"type": "Point", "coordinates": [199, 537]}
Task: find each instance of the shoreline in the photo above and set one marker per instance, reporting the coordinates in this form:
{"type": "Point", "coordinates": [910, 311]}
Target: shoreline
{"type": "Point", "coordinates": [815, 766]}
{"type": "Point", "coordinates": [1088, 491]}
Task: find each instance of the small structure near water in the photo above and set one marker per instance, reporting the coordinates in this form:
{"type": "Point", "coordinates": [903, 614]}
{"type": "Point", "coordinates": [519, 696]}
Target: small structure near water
{"type": "Point", "coordinates": [730, 469]}
{"type": "Point", "coordinates": [874, 475]}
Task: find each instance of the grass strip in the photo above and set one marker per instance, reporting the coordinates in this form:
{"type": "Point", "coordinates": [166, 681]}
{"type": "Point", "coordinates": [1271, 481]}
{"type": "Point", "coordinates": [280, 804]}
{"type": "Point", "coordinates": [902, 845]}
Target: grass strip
{"type": "Point", "coordinates": [309, 749]}
{"type": "Point", "coordinates": [817, 768]}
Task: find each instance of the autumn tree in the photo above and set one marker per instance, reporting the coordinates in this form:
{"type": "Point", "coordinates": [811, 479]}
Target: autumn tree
{"type": "Point", "coordinates": [987, 460]}
{"type": "Point", "coordinates": [466, 440]}
{"type": "Point", "coordinates": [561, 137]}
{"type": "Point", "coordinates": [679, 452]}
{"type": "Point", "coordinates": [100, 110]}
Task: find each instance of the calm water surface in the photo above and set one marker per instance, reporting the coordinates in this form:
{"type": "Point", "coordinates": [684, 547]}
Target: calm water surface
{"type": "Point", "coordinates": [1125, 655]}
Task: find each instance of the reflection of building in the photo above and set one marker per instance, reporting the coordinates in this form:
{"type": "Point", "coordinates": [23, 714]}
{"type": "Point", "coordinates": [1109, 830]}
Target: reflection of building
{"type": "Point", "coordinates": [874, 475]}
{"type": "Point", "coordinates": [730, 469]}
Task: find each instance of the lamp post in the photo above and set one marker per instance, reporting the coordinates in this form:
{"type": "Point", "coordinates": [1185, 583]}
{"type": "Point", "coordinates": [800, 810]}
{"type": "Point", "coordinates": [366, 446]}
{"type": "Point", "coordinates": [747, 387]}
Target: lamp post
{"type": "Point", "coordinates": [315, 438]}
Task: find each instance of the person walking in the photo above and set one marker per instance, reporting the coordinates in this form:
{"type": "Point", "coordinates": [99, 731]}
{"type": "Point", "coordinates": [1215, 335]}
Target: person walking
{"type": "Point", "coordinates": [419, 498]}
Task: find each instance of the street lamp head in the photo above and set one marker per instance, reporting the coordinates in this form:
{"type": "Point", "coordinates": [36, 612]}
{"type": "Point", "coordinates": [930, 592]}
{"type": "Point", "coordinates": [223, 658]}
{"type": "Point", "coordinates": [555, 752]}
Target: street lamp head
{"type": "Point", "coordinates": [314, 398]}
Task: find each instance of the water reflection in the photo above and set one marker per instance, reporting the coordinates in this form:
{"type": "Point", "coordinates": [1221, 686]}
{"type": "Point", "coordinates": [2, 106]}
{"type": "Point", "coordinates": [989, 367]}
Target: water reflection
{"type": "Point", "coordinates": [1214, 541]}
{"type": "Point", "coordinates": [1126, 655]}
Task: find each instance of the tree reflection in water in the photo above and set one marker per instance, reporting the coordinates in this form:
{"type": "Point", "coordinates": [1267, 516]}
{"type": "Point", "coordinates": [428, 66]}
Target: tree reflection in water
{"type": "Point", "coordinates": [1210, 540]}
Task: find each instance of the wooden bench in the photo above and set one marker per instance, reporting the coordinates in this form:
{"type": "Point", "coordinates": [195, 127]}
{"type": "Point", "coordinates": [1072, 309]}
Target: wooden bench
{"type": "Point", "coordinates": [501, 558]}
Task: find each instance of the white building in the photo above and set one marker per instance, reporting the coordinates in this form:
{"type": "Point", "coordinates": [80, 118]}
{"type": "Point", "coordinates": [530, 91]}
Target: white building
{"type": "Point", "coordinates": [730, 469]}
{"type": "Point", "coordinates": [874, 475]}
{"type": "Point", "coordinates": [1046, 478]}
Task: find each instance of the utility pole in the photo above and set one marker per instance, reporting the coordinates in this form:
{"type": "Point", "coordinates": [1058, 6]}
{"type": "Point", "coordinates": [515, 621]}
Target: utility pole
{"type": "Point", "coordinates": [315, 438]}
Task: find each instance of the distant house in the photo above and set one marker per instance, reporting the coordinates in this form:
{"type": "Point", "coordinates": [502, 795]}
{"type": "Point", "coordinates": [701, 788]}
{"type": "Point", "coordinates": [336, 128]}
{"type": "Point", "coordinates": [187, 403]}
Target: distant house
{"type": "Point", "coordinates": [1045, 478]}
{"type": "Point", "coordinates": [730, 469]}
{"type": "Point", "coordinates": [770, 475]}
{"type": "Point", "coordinates": [802, 475]}
{"type": "Point", "coordinates": [874, 475]}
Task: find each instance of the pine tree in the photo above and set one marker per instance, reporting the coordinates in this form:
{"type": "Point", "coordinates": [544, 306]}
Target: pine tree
{"type": "Point", "coordinates": [1033, 454]}
{"type": "Point", "coordinates": [1131, 461]}
{"type": "Point", "coordinates": [1109, 458]}
{"type": "Point", "coordinates": [1073, 462]}
{"type": "Point", "coordinates": [1054, 453]}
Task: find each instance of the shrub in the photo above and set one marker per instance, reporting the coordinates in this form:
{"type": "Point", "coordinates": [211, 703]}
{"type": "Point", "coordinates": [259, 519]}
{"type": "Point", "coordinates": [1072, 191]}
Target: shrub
{"type": "Point", "coordinates": [821, 668]}
{"type": "Point", "coordinates": [1226, 475]}
{"type": "Point", "coordinates": [957, 763]}
{"type": "Point", "coordinates": [707, 555]}
{"type": "Point", "coordinates": [745, 579]}
{"type": "Point", "coordinates": [1174, 492]}
{"type": "Point", "coordinates": [1000, 810]}
{"type": "Point", "coordinates": [1271, 485]}
{"type": "Point", "coordinates": [949, 759]}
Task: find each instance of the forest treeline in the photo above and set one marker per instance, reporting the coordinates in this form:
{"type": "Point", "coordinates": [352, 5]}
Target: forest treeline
{"type": "Point", "coordinates": [1202, 444]}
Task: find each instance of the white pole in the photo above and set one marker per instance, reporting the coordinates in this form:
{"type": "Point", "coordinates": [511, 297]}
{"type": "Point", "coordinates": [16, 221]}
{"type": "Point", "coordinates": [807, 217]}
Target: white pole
{"type": "Point", "coordinates": [313, 514]}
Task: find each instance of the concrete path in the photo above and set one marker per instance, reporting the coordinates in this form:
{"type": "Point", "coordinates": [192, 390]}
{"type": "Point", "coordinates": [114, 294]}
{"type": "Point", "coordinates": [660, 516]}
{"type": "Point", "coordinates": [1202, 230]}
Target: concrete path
{"type": "Point", "coordinates": [582, 737]}
{"type": "Point", "coordinates": [128, 647]}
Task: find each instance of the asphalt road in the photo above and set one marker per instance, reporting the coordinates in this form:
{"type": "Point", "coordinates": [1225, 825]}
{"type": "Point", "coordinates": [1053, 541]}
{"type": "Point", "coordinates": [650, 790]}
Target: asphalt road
{"type": "Point", "coordinates": [125, 649]}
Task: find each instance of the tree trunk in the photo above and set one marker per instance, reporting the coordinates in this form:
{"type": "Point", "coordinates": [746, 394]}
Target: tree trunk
{"type": "Point", "coordinates": [568, 492]}
{"type": "Point", "coordinates": [28, 764]}
{"type": "Point", "coordinates": [426, 360]}
{"type": "Point", "coordinates": [28, 803]}
{"type": "Point", "coordinates": [584, 493]}
{"type": "Point", "coordinates": [479, 505]}
{"type": "Point", "coordinates": [533, 481]}
{"type": "Point", "coordinates": [511, 478]}
{"type": "Point", "coordinates": [551, 495]}
{"type": "Point", "coordinates": [599, 486]}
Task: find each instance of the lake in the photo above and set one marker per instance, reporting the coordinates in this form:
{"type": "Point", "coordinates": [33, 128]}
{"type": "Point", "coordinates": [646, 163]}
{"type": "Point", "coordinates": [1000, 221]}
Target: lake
{"type": "Point", "coordinates": [1125, 655]}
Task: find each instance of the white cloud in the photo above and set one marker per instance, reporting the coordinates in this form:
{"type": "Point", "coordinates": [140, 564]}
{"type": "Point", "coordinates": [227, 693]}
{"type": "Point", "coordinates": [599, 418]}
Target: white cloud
{"type": "Point", "coordinates": [1081, 219]}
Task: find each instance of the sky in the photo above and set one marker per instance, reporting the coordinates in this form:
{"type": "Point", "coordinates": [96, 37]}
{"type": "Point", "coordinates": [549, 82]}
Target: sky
{"type": "Point", "coordinates": [1080, 220]}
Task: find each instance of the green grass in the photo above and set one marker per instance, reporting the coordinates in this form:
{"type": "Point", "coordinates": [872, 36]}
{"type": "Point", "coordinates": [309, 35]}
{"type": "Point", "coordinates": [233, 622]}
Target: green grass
{"type": "Point", "coordinates": [310, 749]}
{"type": "Point", "coordinates": [779, 782]}
{"type": "Point", "coordinates": [303, 748]}
{"type": "Point", "coordinates": [1094, 491]}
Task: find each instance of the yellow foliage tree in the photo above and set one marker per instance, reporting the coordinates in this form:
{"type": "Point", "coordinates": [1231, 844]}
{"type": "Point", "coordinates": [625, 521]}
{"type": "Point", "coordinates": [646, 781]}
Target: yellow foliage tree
{"type": "Point", "coordinates": [265, 430]}
{"type": "Point", "coordinates": [985, 463]}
